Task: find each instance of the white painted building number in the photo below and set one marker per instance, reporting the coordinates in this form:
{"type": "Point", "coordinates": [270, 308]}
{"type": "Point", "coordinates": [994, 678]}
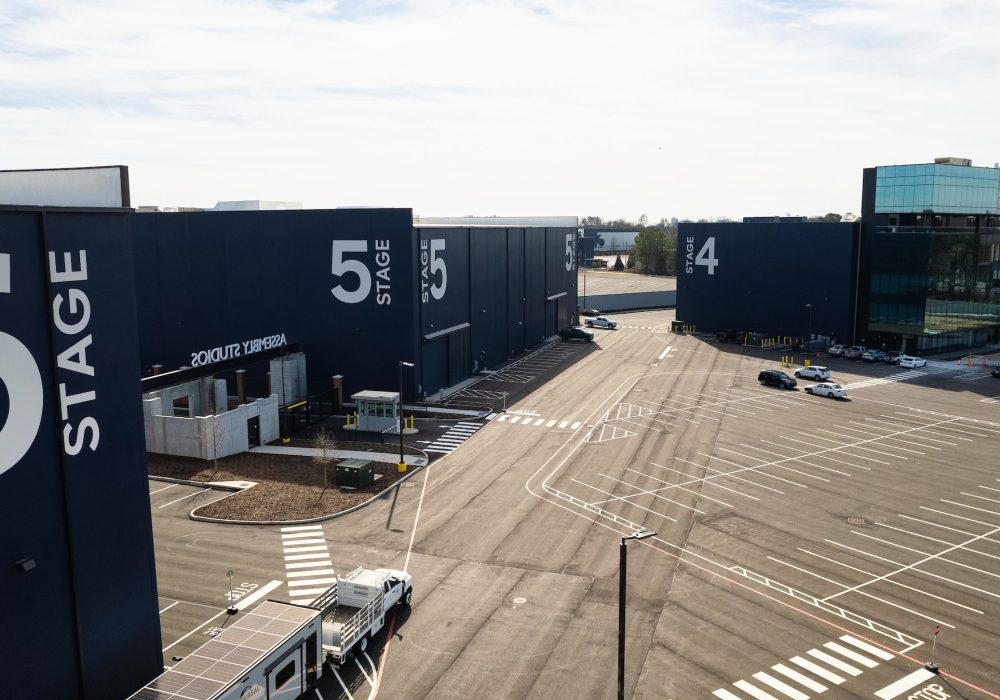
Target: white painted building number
{"type": "Point", "coordinates": [706, 256]}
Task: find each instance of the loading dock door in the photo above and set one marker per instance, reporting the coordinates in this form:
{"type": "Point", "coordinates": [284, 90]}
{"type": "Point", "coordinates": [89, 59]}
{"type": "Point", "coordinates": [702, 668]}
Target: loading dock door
{"type": "Point", "coordinates": [552, 312]}
{"type": "Point", "coordinates": [459, 357]}
{"type": "Point", "coordinates": [446, 358]}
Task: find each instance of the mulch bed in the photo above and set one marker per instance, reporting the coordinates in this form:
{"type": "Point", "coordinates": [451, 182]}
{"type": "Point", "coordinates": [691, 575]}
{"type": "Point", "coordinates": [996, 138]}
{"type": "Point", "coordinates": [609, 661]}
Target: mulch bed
{"type": "Point", "coordinates": [288, 487]}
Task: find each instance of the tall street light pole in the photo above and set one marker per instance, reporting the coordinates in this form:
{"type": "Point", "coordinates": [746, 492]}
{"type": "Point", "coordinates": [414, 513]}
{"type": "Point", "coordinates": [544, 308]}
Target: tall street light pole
{"type": "Point", "coordinates": [810, 327]}
{"type": "Point", "coordinates": [401, 467]}
{"type": "Point", "coordinates": [622, 564]}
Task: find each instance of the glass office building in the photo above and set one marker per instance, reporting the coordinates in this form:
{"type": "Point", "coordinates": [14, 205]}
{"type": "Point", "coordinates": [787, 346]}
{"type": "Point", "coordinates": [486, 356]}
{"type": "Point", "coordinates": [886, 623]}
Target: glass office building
{"type": "Point", "coordinates": [929, 274]}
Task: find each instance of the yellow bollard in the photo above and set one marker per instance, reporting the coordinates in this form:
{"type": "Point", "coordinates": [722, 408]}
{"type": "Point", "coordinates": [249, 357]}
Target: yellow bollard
{"type": "Point", "coordinates": [401, 467]}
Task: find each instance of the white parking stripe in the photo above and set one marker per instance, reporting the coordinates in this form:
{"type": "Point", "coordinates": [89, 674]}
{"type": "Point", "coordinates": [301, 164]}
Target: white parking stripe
{"type": "Point", "coordinates": [799, 678]}
{"type": "Point", "coordinates": [550, 423]}
{"type": "Point", "coordinates": [865, 646]}
{"type": "Point", "coordinates": [514, 419]}
{"type": "Point", "coordinates": [286, 536]}
{"type": "Point", "coordinates": [836, 663]}
{"type": "Point", "coordinates": [295, 557]}
{"type": "Point", "coordinates": [575, 425]}
{"type": "Point", "coordinates": [315, 548]}
{"type": "Point", "coordinates": [301, 528]}
{"type": "Point", "coordinates": [563, 424]}
{"type": "Point", "coordinates": [818, 670]}
{"type": "Point", "coordinates": [780, 686]}
{"type": "Point", "coordinates": [176, 500]}
{"type": "Point", "coordinates": [297, 543]}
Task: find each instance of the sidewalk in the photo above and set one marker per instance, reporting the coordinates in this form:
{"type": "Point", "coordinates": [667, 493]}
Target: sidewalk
{"type": "Point", "coordinates": [389, 457]}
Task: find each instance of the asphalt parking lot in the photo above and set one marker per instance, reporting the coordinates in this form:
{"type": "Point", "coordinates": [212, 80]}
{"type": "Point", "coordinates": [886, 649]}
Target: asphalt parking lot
{"type": "Point", "coordinates": [805, 547]}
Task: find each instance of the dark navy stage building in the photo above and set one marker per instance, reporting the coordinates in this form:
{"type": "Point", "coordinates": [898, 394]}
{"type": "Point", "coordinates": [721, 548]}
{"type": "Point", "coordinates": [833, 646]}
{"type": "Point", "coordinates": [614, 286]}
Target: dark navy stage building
{"type": "Point", "coordinates": [776, 279]}
{"type": "Point", "coordinates": [358, 289]}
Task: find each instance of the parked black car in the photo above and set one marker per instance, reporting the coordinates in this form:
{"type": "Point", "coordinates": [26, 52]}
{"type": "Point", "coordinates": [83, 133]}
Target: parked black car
{"type": "Point", "coordinates": [996, 372]}
{"type": "Point", "coordinates": [576, 333]}
{"type": "Point", "coordinates": [772, 377]}
{"type": "Point", "coordinates": [589, 312]}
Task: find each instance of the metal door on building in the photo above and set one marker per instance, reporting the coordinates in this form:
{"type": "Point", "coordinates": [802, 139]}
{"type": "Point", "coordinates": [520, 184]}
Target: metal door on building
{"type": "Point", "coordinates": [459, 356]}
{"type": "Point", "coordinates": [253, 431]}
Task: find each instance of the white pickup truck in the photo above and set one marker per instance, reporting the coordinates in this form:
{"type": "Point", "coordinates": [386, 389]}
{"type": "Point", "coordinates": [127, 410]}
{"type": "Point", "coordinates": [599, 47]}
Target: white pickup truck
{"type": "Point", "coordinates": [354, 609]}
{"type": "Point", "coordinates": [285, 659]}
{"type": "Point", "coordinates": [602, 322]}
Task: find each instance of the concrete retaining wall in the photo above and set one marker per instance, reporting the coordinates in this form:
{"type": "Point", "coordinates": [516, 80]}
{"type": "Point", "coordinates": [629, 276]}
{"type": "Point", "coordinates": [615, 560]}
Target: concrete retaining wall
{"type": "Point", "coordinates": [206, 437]}
{"type": "Point", "coordinates": [636, 300]}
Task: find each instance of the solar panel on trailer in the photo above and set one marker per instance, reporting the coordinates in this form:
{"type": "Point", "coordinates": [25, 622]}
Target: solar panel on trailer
{"type": "Point", "coordinates": [210, 669]}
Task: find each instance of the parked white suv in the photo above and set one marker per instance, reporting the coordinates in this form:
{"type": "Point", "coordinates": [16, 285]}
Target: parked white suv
{"type": "Point", "coordinates": [910, 361]}
{"type": "Point", "coordinates": [837, 350]}
{"type": "Point", "coordinates": [813, 372]}
{"type": "Point", "coordinates": [602, 322]}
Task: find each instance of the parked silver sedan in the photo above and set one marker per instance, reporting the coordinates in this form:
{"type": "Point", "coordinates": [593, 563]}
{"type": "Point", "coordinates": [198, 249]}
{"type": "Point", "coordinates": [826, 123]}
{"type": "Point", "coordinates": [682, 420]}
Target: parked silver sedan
{"type": "Point", "coordinates": [834, 391]}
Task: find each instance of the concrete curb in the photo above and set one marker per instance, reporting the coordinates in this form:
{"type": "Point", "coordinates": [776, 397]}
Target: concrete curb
{"type": "Point", "coordinates": [307, 521]}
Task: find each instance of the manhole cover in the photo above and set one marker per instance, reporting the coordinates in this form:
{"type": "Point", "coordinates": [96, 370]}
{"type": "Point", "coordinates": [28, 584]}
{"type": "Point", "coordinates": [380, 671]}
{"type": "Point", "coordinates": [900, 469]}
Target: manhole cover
{"type": "Point", "coordinates": [520, 601]}
{"type": "Point", "coordinates": [855, 520]}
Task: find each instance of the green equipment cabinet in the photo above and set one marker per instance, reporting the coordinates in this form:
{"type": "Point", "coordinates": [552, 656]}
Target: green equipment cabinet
{"type": "Point", "coordinates": [355, 473]}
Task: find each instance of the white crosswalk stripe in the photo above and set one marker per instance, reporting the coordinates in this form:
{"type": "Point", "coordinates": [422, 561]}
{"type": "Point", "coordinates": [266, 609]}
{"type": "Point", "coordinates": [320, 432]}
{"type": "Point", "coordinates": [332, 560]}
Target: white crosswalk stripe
{"type": "Point", "coordinates": [455, 436]}
{"type": "Point", "coordinates": [898, 377]}
{"type": "Point", "coordinates": [784, 682]}
{"type": "Point", "coordinates": [304, 572]}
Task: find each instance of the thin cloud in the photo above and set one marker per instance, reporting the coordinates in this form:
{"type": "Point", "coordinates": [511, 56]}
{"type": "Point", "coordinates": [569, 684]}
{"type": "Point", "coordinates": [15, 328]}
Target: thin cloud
{"type": "Point", "coordinates": [582, 107]}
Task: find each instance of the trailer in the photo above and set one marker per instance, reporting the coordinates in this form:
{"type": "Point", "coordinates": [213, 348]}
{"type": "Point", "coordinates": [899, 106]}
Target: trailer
{"type": "Point", "coordinates": [272, 652]}
{"type": "Point", "coordinates": [354, 608]}
{"type": "Point", "coordinates": [276, 650]}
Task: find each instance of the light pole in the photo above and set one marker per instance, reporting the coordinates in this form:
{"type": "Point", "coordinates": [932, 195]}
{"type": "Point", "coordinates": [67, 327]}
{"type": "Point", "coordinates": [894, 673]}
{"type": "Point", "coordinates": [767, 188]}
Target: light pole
{"type": "Point", "coordinates": [401, 467]}
{"type": "Point", "coordinates": [810, 326]}
{"type": "Point", "coordinates": [622, 559]}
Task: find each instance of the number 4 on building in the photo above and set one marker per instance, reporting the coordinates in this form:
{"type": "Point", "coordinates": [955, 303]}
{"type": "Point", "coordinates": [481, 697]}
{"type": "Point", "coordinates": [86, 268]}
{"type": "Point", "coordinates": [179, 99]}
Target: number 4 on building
{"type": "Point", "coordinates": [706, 256]}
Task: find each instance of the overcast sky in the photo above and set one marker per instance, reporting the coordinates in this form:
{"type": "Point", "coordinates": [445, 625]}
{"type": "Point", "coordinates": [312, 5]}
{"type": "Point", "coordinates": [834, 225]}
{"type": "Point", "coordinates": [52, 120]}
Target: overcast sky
{"type": "Point", "coordinates": [695, 108]}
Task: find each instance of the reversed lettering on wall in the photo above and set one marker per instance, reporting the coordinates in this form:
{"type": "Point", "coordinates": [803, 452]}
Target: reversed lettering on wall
{"type": "Point", "coordinates": [246, 347]}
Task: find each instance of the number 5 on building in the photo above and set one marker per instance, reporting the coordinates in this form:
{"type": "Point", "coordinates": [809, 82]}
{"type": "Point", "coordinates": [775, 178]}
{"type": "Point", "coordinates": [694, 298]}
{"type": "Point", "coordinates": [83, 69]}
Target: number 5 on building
{"type": "Point", "coordinates": [706, 256]}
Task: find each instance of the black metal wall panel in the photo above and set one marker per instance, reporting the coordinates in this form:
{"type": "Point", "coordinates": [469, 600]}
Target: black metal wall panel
{"type": "Point", "coordinates": [760, 277]}
{"type": "Point", "coordinates": [341, 282]}
{"type": "Point", "coordinates": [534, 288]}
{"type": "Point", "coordinates": [73, 489]}
{"type": "Point", "coordinates": [560, 277]}
{"type": "Point", "coordinates": [443, 278]}
{"type": "Point", "coordinates": [515, 291]}
{"type": "Point", "coordinates": [488, 277]}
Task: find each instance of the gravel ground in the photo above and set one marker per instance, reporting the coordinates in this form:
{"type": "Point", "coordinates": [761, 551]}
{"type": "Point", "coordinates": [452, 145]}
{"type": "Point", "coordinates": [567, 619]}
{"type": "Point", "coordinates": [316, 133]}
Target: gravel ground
{"type": "Point", "coordinates": [288, 487]}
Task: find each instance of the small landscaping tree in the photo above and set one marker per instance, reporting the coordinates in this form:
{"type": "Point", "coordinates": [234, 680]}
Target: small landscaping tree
{"type": "Point", "coordinates": [323, 442]}
{"type": "Point", "coordinates": [619, 265]}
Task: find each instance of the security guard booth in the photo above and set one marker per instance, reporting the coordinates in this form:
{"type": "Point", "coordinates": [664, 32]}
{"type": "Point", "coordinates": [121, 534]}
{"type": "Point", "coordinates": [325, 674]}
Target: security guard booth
{"type": "Point", "coordinates": [378, 411]}
{"type": "Point", "coordinates": [355, 473]}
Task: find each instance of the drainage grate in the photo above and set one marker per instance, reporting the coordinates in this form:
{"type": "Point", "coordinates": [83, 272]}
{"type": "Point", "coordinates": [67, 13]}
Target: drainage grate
{"type": "Point", "coordinates": [855, 520]}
